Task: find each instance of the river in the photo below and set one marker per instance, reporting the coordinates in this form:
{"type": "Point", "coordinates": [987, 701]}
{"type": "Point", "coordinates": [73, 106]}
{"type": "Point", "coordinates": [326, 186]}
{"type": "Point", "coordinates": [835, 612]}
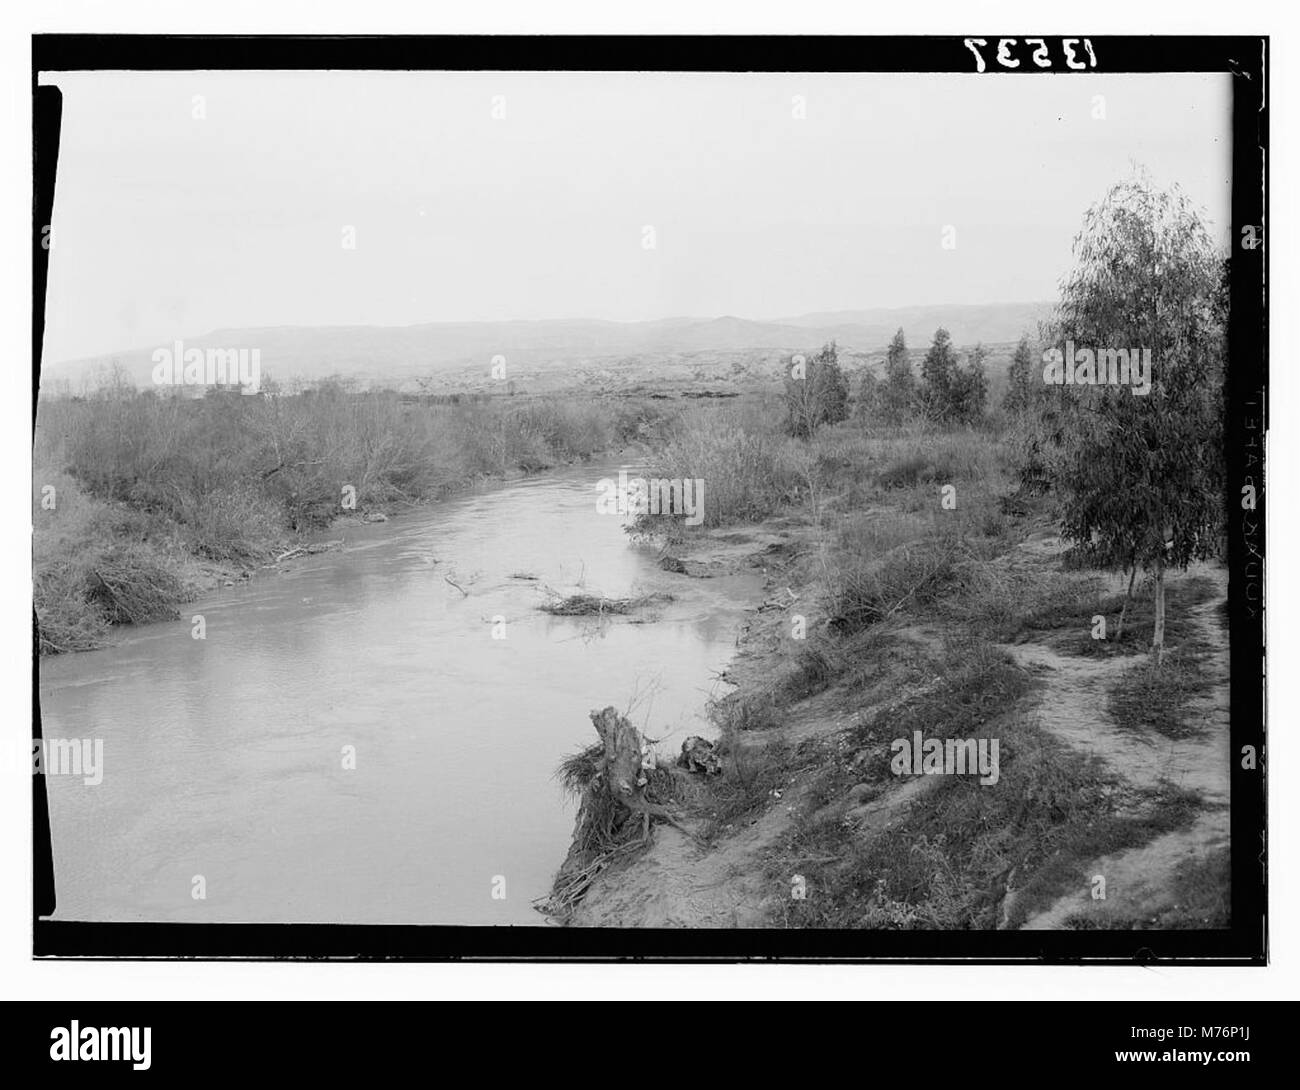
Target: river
{"type": "Point", "coordinates": [351, 744]}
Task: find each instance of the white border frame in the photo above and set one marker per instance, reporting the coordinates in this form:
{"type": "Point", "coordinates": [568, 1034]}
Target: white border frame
{"type": "Point", "coordinates": [23, 978]}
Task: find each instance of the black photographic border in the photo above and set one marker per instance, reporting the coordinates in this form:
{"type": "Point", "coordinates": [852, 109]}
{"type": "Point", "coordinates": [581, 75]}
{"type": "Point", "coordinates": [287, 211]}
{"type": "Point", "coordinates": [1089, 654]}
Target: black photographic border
{"type": "Point", "coordinates": [1246, 421]}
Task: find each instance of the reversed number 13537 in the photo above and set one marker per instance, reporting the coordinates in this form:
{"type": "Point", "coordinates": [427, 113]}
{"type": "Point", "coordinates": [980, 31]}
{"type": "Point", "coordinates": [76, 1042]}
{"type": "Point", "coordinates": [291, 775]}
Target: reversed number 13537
{"type": "Point", "coordinates": [1041, 55]}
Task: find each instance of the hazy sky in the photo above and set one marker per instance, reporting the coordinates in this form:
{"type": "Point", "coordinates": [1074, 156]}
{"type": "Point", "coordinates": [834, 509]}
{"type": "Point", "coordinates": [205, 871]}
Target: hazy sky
{"type": "Point", "coordinates": [167, 225]}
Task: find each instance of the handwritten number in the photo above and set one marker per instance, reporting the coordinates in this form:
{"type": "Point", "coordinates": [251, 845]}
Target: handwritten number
{"type": "Point", "coordinates": [1041, 55]}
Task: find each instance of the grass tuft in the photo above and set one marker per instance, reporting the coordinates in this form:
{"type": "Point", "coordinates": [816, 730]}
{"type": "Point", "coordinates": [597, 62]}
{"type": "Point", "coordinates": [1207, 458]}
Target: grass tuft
{"type": "Point", "coordinates": [1153, 696]}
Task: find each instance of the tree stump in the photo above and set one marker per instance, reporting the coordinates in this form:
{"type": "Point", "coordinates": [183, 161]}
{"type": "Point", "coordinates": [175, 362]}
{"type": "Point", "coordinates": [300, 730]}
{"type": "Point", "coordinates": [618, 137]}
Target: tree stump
{"type": "Point", "coordinates": [621, 767]}
{"type": "Point", "coordinates": [613, 802]}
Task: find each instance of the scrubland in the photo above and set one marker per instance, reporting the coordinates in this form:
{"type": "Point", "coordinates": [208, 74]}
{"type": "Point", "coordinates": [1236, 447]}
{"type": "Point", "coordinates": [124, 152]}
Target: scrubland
{"type": "Point", "coordinates": [920, 587]}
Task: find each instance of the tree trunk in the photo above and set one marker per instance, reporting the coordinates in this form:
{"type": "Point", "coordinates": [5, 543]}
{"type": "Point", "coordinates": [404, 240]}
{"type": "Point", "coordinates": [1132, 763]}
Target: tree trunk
{"type": "Point", "coordinates": [1158, 640]}
{"type": "Point", "coordinates": [1128, 595]}
{"type": "Point", "coordinates": [622, 761]}
{"type": "Point", "coordinates": [622, 769]}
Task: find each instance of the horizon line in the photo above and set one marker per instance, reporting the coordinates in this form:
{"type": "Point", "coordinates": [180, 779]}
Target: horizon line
{"type": "Point", "coordinates": [784, 320]}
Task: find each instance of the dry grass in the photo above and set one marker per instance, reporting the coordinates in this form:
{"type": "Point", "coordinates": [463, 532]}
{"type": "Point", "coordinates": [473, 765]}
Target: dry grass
{"type": "Point", "coordinates": [751, 772]}
{"type": "Point", "coordinates": [147, 485]}
{"type": "Point", "coordinates": [1153, 696]}
{"type": "Point", "coordinates": [748, 712]}
{"type": "Point", "coordinates": [908, 578]}
{"type": "Point", "coordinates": [749, 469]}
{"type": "Point", "coordinates": [99, 565]}
{"type": "Point", "coordinates": [1198, 901]}
{"type": "Point", "coordinates": [948, 863]}
{"type": "Point", "coordinates": [917, 598]}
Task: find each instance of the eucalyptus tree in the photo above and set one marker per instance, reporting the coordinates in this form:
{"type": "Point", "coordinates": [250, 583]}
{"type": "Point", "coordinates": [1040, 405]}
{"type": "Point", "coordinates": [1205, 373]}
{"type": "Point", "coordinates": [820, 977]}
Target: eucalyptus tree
{"type": "Point", "coordinates": [1141, 475]}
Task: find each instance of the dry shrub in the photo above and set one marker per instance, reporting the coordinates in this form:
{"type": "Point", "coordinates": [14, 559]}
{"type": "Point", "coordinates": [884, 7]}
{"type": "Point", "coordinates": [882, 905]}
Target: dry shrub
{"type": "Point", "coordinates": [97, 565]}
{"type": "Point", "coordinates": [748, 473]}
{"type": "Point", "coordinates": [908, 578]}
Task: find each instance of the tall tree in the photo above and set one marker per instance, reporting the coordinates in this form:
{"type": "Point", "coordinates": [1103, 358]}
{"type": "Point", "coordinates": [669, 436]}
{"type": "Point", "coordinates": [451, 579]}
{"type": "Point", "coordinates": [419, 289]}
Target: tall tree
{"type": "Point", "coordinates": [899, 389]}
{"type": "Point", "coordinates": [938, 372]}
{"type": "Point", "coordinates": [970, 388]}
{"type": "Point", "coordinates": [1142, 478]}
{"type": "Point", "coordinates": [870, 392]}
{"type": "Point", "coordinates": [1023, 380]}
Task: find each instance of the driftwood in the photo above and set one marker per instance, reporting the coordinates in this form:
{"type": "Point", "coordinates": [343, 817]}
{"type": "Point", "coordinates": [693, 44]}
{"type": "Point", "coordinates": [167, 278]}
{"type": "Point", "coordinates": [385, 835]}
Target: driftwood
{"type": "Point", "coordinates": [309, 550]}
{"type": "Point", "coordinates": [592, 605]}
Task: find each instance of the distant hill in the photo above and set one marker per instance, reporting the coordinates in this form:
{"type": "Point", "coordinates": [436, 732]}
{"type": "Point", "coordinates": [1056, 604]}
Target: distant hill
{"type": "Point", "coordinates": [435, 352]}
{"type": "Point", "coordinates": [991, 323]}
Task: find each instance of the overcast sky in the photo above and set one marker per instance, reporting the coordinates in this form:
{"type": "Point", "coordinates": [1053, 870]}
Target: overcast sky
{"type": "Point", "coordinates": [168, 226]}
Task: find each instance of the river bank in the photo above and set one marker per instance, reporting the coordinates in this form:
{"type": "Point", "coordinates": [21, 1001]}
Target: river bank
{"type": "Point", "coordinates": [370, 737]}
{"type": "Point", "coordinates": [153, 566]}
{"type": "Point", "coordinates": [143, 503]}
{"type": "Point", "coordinates": [205, 577]}
{"type": "Point", "coordinates": [980, 628]}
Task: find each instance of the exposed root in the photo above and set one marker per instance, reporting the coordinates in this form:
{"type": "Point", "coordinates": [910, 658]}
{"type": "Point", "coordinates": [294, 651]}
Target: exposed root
{"type": "Point", "coordinates": [621, 791]}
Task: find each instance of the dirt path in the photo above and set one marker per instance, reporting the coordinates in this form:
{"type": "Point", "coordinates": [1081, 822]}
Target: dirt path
{"type": "Point", "coordinates": [1140, 882]}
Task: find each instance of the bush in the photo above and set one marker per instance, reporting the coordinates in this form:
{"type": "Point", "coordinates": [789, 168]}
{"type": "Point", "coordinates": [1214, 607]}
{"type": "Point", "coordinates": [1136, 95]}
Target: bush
{"type": "Point", "coordinates": [130, 583]}
{"type": "Point", "coordinates": [97, 566]}
{"type": "Point", "coordinates": [747, 474]}
{"type": "Point", "coordinates": [910, 471]}
{"type": "Point", "coordinates": [819, 396]}
{"type": "Point", "coordinates": [237, 523]}
{"type": "Point", "coordinates": [65, 619]}
{"type": "Point", "coordinates": [944, 459]}
{"type": "Point", "coordinates": [569, 429]}
{"type": "Point", "coordinates": [908, 577]}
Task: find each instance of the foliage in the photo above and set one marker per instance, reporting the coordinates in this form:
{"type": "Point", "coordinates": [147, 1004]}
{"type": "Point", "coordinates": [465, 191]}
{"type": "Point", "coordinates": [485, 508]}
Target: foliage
{"type": "Point", "coordinates": [938, 372]}
{"type": "Point", "coordinates": [898, 391]}
{"type": "Point", "coordinates": [950, 393]}
{"type": "Point", "coordinates": [1142, 476]}
{"type": "Point", "coordinates": [970, 389]}
{"type": "Point", "coordinates": [738, 452]}
{"type": "Point", "coordinates": [1023, 380]}
{"type": "Point", "coordinates": [816, 393]}
{"type": "Point", "coordinates": [149, 484]}
{"type": "Point", "coordinates": [870, 393]}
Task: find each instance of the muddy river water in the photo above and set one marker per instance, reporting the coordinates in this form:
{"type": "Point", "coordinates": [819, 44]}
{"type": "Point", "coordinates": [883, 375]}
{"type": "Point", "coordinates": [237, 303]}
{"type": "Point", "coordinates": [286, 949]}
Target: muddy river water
{"type": "Point", "coordinates": [356, 740]}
